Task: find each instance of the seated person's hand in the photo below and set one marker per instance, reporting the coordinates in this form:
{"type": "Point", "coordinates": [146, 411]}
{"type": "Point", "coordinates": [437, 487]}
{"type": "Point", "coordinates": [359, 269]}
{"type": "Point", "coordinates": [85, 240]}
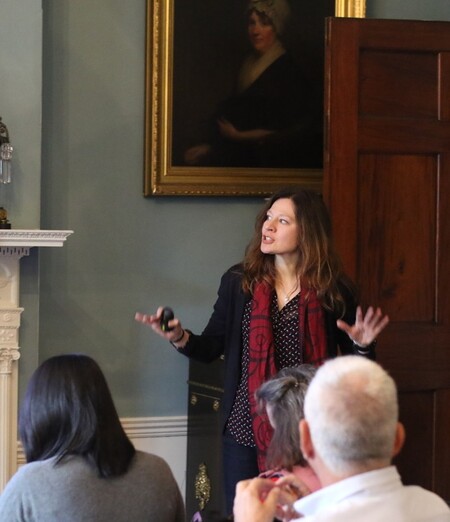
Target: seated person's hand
{"type": "Point", "coordinates": [256, 500]}
{"type": "Point", "coordinates": [262, 500]}
{"type": "Point", "coordinates": [291, 489]}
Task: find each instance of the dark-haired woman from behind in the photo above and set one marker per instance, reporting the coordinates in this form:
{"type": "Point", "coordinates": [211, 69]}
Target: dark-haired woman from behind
{"type": "Point", "coordinates": [81, 466]}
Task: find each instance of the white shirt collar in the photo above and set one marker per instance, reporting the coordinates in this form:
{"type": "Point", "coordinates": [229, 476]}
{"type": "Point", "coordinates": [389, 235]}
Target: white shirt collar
{"type": "Point", "coordinates": [386, 478]}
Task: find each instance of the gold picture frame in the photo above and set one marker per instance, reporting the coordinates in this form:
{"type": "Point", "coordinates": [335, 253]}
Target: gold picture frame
{"type": "Point", "coordinates": [163, 176]}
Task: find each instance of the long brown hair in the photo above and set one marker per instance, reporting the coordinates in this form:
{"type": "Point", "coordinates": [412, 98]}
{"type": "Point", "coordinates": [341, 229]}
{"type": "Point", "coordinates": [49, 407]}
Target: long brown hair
{"type": "Point", "coordinates": [319, 267]}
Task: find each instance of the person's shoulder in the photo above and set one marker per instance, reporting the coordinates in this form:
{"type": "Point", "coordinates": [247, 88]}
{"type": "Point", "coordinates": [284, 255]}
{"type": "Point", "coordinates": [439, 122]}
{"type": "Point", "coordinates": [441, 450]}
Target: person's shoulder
{"type": "Point", "coordinates": [430, 501]}
{"type": "Point", "coordinates": [37, 467]}
{"type": "Point", "coordinates": [149, 458]}
{"type": "Point", "coordinates": [149, 461]}
{"type": "Point", "coordinates": [236, 270]}
{"type": "Point", "coordinates": [30, 473]}
{"type": "Point", "coordinates": [234, 273]}
{"type": "Point", "coordinates": [153, 470]}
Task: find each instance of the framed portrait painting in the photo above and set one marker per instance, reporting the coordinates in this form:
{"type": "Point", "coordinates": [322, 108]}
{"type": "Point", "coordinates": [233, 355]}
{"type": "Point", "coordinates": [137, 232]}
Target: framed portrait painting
{"type": "Point", "coordinates": [234, 95]}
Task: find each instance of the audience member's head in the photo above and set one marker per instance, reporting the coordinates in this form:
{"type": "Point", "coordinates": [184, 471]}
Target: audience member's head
{"type": "Point", "coordinates": [68, 410]}
{"type": "Point", "coordinates": [351, 412]}
{"type": "Point", "coordinates": [348, 436]}
{"type": "Point", "coordinates": [282, 396]}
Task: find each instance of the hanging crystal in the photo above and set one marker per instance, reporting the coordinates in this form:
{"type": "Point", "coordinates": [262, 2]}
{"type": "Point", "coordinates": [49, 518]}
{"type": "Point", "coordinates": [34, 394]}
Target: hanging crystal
{"type": "Point", "coordinates": [6, 151]}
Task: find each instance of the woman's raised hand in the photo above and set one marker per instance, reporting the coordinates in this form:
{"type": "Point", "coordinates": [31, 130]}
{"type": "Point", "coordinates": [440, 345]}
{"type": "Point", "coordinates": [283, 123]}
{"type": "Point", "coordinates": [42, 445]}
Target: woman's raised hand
{"type": "Point", "coordinates": [366, 329]}
{"type": "Point", "coordinates": [154, 321]}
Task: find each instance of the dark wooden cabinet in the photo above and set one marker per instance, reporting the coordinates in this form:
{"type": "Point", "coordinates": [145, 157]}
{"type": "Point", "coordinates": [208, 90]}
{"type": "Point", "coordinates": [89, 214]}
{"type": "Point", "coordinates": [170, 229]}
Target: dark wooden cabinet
{"type": "Point", "coordinates": [204, 485]}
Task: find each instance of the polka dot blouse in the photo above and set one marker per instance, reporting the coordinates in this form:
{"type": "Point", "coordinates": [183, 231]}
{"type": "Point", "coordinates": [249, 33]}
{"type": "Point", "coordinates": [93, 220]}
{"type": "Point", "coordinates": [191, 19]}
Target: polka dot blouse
{"type": "Point", "coordinates": [287, 353]}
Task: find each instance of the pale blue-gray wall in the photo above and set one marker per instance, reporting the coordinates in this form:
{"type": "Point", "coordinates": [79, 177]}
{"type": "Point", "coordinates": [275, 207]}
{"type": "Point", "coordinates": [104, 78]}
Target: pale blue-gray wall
{"type": "Point", "coordinates": [21, 110]}
{"type": "Point", "coordinates": [128, 253]}
{"type": "Point", "coordinates": [409, 9]}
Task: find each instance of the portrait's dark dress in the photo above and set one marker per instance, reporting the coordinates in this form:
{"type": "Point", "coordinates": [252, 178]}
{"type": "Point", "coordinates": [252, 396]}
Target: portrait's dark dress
{"type": "Point", "coordinates": [281, 100]}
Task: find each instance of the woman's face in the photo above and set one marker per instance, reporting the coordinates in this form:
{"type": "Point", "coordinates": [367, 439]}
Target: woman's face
{"type": "Point", "coordinates": [280, 229]}
{"type": "Point", "coordinates": [261, 32]}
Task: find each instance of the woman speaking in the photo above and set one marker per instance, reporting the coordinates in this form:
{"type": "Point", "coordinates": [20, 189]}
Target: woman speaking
{"type": "Point", "coordinates": [289, 302]}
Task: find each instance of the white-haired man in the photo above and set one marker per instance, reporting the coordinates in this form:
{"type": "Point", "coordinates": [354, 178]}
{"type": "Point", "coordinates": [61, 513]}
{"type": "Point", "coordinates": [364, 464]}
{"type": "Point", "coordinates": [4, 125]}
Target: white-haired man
{"type": "Point", "coordinates": [349, 436]}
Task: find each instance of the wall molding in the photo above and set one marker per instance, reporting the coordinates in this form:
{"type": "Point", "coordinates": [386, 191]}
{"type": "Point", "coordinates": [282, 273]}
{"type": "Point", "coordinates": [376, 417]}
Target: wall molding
{"type": "Point", "coordinates": [151, 427]}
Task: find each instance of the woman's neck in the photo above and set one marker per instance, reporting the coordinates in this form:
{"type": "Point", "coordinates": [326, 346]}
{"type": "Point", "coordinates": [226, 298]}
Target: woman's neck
{"type": "Point", "coordinates": [286, 266]}
{"type": "Point", "coordinates": [287, 284]}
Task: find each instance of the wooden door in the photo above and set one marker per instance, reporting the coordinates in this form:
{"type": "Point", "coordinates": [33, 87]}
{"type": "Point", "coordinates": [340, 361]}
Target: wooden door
{"type": "Point", "coordinates": [387, 185]}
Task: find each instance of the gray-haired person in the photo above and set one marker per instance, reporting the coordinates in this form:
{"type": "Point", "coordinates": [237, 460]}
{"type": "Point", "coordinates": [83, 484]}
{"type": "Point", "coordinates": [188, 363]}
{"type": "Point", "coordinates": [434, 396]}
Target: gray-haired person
{"type": "Point", "coordinates": [349, 436]}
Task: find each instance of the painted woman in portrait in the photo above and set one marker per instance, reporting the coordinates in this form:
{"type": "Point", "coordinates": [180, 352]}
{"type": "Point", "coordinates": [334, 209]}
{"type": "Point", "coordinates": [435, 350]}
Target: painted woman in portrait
{"type": "Point", "coordinates": [273, 118]}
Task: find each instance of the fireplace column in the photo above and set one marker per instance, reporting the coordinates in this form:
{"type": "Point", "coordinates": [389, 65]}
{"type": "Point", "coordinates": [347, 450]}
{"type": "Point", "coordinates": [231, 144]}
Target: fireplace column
{"type": "Point", "coordinates": [14, 244]}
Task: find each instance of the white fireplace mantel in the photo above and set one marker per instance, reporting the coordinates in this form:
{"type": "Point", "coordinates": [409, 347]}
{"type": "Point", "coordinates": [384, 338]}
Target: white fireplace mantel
{"type": "Point", "coordinates": [33, 238]}
{"type": "Point", "coordinates": [14, 244]}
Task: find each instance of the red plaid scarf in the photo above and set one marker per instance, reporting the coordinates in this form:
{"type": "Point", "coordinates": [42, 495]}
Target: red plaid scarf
{"type": "Point", "coordinates": [313, 347]}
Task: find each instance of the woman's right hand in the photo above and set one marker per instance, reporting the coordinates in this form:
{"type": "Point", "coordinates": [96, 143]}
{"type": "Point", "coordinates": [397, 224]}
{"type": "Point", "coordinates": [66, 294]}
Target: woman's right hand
{"type": "Point", "coordinates": [176, 333]}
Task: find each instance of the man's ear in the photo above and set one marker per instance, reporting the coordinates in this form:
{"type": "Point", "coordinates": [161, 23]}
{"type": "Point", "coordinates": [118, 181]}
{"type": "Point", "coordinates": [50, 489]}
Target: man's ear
{"type": "Point", "coordinates": [306, 444]}
{"type": "Point", "coordinates": [399, 439]}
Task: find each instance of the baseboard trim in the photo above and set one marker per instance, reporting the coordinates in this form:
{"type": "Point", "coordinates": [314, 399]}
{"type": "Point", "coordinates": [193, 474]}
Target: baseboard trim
{"type": "Point", "coordinates": [155, 427]}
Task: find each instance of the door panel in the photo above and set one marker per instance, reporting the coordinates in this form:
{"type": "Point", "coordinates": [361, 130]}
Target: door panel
{"type": "Point", "coordinates": [387, 186]}
{"type": "Point", "coordinates": [396, 216]}
{"type": "Point", "coordinates": [377, 69]}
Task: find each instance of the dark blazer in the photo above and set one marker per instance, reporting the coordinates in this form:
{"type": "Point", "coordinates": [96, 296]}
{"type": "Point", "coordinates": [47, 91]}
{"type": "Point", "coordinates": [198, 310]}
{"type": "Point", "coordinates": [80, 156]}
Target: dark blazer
{"type": "Point", "coordinates": [223, 334]}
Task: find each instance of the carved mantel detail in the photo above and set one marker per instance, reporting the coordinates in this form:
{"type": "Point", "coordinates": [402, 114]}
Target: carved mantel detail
{"type": "Point", "coordinates": [9, 335]}
{"type": "Point", "coordinates": [7, 356]}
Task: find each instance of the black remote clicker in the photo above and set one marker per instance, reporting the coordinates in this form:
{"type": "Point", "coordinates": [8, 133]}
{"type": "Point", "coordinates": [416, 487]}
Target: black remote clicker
{"type": "Point", "coordinates": [166, 316]}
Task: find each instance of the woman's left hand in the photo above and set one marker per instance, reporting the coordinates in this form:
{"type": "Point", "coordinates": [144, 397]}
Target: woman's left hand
{"type": "Point", "coordinates": [366, 329]}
